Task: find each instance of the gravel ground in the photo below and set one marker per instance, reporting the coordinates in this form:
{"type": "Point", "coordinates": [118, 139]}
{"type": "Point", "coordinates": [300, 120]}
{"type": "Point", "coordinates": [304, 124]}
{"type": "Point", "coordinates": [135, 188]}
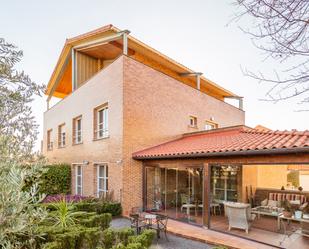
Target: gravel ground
{"type": "Point", "coordinates": [174, 242]}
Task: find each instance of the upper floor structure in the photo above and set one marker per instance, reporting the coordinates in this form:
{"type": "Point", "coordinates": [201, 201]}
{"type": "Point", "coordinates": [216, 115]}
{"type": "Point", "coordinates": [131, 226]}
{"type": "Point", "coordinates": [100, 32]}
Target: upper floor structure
{"type": "Point", "coordinates": [119, 96]}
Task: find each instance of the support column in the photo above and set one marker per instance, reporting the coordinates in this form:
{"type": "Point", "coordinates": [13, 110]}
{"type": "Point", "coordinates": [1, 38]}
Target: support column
{"type": "Point", "coordinates": [125, 41]}
{"type": "Point", "coordinates": [206, 212]}
{"type": "Point", "coordinates": [47, 103]}
{"type": "Point", "coordinates": [198, 81]}
{"type": "Point", "coordinates": [241, 103]}
{"type": "Point", "coordinates": [73, 69]}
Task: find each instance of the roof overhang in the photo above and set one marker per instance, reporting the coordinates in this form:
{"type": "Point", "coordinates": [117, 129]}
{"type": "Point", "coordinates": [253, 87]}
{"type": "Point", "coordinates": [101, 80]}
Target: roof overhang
{"type": "Point", "coordinates": [109, 33]}
{"type": "Point", "coordinates": [265, 152]}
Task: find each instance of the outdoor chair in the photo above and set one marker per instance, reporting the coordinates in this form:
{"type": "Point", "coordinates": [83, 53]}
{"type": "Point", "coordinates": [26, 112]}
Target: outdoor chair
{"type": "Point", "coordinates": [136, 210]}
{"type": "Point", "coordinates": [160, 225]}
{"type": "Point", "coordinates": [239, 215]}
{"type": "Point", "coordinates": [185, 203]}
{"type": "Point", "coordinates": [137, 223]}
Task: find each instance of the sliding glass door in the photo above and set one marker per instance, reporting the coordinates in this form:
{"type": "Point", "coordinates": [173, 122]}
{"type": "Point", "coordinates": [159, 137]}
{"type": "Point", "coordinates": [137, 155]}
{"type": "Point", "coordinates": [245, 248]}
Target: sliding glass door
{"type": "Point", "coordinates": [176, 192]}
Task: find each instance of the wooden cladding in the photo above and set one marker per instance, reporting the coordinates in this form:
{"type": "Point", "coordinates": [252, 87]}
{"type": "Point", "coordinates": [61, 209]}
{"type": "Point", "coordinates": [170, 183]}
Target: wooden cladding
{"type": "Point", "coordinates": [86, 67]}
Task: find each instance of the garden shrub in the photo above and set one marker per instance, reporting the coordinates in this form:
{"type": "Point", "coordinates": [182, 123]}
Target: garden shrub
{"type": "Point", "coordinates": [108, 238]}
{"type": "Point", "coordinates": [56, 180]}
{"type": "Point", "coordinates": [98, 220]}
{"type": "Point", "coordinates": [145, 239]}
{"type": "Point", "coordinates": [113, 208]}
{"type": "Point", "coordinates": [124, 234]}
{"type": "Point", "coordinates": [51, 245]}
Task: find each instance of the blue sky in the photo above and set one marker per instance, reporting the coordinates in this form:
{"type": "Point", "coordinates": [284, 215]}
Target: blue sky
{"type": "Point", "coordinates": [194, 33]}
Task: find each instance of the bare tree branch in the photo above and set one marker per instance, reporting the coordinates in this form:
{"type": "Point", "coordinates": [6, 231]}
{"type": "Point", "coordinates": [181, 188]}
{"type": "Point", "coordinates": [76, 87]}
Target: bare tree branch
{"type": "Point", "coordinates": [280, 28]}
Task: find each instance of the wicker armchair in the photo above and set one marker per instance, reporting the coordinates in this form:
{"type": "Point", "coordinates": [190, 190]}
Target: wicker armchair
{"type": "Point", "coordinates": [239, 215]}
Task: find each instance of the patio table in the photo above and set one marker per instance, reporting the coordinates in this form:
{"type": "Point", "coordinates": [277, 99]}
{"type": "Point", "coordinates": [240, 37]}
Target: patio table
{"type": "Point", "coordinates": [281, 218]}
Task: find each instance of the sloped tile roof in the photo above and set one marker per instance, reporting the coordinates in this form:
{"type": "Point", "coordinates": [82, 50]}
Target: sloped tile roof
{"type": "Point", "coordinates": [229, 141]}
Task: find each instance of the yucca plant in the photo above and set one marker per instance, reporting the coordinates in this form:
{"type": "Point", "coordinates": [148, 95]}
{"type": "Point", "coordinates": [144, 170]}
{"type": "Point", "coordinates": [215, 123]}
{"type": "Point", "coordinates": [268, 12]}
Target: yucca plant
{"type": "Point", "coordinates": [65, 214]}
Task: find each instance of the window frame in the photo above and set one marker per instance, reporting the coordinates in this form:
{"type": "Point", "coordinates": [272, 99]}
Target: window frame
{"type": "Point", "coordinates": [61, 136]}
{"type": "Point", "coordinates": [210, 123]}
{"type": "Point", "coordinates": [194, 119]}
{"type": "Point", "coordinates": [101, 129]}
{"type": "Point", "coordinates": [105, 180]}
{"type": "Point", "coordinates": [76, 179]}
{"type": "Point", "coordinates": [49, 140]}
{"type": "Point", "coordinates": [77, 133]}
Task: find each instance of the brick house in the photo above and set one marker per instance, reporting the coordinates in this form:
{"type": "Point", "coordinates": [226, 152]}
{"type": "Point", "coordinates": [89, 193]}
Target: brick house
{"type": "Point", "coordinates": [148, 99]}
{"type": "Point", "coordinates": [119, 97]}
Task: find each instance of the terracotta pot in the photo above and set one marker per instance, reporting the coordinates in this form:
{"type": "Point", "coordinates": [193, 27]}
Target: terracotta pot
{"type": "Point", "coordinates": [287, 214]}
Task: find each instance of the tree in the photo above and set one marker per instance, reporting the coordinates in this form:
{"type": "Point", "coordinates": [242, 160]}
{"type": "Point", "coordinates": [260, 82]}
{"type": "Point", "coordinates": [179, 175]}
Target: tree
{"type": "Point", "coordinates": [20, 168]}
{"type": "Point", "coordinates": [280, 28]}
{"type": "Point", "coordinates": [16, 95]}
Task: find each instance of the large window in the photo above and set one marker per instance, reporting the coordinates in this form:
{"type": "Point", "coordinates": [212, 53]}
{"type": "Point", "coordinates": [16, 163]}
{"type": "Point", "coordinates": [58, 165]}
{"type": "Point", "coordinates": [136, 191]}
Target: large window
{"type": "Point", "coordinates": [77, 130]}
{"type": "Point", "coordinates": [101, 122]}
{"type": "Point", "coordinates": [102, 180]}
{"type": "Point", "coordinates": [225, 183]}
{"type": "Point", "coordinates": [176, 192]}
{"type": "Point", "coordinates": [61, 136]}
{"type": "Point", "coordinates": [79, 179]}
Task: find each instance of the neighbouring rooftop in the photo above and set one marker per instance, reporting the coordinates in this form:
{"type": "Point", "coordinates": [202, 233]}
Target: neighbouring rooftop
{"type": "Point", "coordinates": [237, 140]}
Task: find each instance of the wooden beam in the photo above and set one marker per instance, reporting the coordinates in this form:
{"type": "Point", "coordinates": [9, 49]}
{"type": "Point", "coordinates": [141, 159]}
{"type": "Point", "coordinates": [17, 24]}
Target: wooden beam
{"type": "Point", "coordinates": [118, 45]}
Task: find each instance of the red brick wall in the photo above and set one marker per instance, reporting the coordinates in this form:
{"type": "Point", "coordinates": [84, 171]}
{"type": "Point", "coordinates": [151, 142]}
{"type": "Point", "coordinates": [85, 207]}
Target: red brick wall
{"type": "Point", "coordinates": [157, 109]}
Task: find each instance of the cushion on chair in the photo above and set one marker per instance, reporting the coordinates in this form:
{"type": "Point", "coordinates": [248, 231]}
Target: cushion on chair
{"type": "Point", "coordinates": [264, 202]}
{"type": "Point", "coordinates": [272, 203]}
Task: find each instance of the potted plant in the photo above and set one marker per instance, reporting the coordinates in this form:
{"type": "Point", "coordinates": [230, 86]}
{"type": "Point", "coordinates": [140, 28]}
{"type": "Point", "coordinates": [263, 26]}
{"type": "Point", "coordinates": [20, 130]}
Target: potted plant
{"type": "Point", "coordinates": [287, 208]}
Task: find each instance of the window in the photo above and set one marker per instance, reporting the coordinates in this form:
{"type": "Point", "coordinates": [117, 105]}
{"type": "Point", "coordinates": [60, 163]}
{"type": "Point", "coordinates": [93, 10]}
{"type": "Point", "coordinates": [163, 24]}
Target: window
{"type": "Point", "coordinates": [101, 122]}
{"type": "Point", "coordinates": [61, 136]}
{"type": "Point", "coordinates": [210, 126]}
{"type": "Point", "coordinates": [102, 180]}
{"type": "Point", "coordinates": [79, 180]}
{"type": "Point", "coordinates": [49, 140]}
{"type": "Point", "coordinates": [193, 121]}
{"type": "Point", "coordinates": [77, 130]}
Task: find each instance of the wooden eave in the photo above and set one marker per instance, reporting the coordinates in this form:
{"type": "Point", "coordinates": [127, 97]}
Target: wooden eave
{"type": "Point", "coordinates": [207, 86]}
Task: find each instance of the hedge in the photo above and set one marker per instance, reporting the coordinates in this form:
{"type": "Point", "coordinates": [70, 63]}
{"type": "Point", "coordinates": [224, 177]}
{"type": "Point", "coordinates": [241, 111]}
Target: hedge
{"type": "Point", "coordinates": [79, 237]}
{"type": "Point", "coordinates": [113, 208]}
{"type": "Point", "coordinates": [56, 180]}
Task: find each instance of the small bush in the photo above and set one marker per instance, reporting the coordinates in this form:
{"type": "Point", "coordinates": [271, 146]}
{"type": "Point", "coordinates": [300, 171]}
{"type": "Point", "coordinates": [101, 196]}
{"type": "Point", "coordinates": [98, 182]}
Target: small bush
{"type": "Point", "coordinates": [52, 245]}
{"type": "Point", "coordinates": [100, 207]}
{"type": "Point", "coordinates": [145, 239]}
{"type": "Point", "coordinates": [56, 180]}
{"type": "Point", "coordinates": [108, 238]}
{"type": "Point", "coordinates": [100, 220]}
{"type": "Point", "coordinates": [124, 234]}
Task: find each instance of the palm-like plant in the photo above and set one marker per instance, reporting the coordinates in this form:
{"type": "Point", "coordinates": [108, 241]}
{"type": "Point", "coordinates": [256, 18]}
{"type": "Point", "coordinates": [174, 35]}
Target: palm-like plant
{"type": "Point", "coordinates": [64, 215]}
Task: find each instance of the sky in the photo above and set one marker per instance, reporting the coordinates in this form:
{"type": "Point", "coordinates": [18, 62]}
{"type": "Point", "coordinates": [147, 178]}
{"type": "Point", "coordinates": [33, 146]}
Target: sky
{"type": "Point", "coordinates": [196, 33]}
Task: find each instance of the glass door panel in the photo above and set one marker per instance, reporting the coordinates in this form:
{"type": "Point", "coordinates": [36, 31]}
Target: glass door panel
{"type": "Point", "coordinates": [171, 194]}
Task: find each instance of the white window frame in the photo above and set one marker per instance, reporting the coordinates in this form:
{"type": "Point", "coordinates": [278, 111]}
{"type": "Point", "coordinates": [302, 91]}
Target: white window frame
{"type": "Point", "coordinates": [78, 133]}
{"type": "Point", "coordinates": [81, 179]}
{"type": "Point", "coordinates": [62, 136]}
{"type": "Point", "coordinates": [210, 126]}
{"type": "Point", "coordinates": [105, 179]}
{"type": "Point", "coordinates": [49, 139]}
{"type": "Point", "coordinates": [102, 127]}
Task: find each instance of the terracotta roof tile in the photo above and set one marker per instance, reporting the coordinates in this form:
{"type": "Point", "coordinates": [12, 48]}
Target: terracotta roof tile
{"type": "Point", "coordinates": [231, 140]}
